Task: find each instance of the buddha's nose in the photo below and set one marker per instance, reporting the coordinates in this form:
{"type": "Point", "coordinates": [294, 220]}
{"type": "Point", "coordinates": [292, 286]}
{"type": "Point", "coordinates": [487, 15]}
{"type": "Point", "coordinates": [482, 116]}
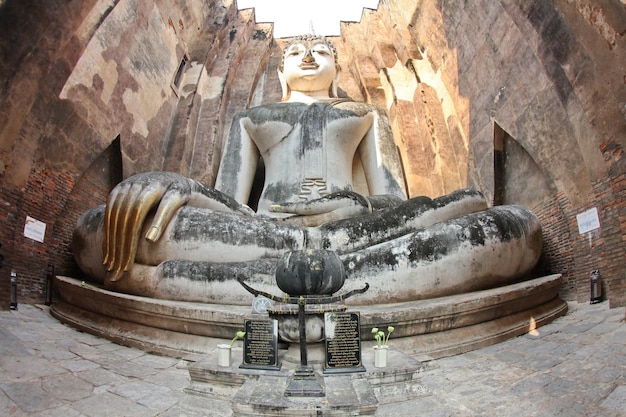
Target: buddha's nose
{"type": "Point", "coordinates": [308, 57]}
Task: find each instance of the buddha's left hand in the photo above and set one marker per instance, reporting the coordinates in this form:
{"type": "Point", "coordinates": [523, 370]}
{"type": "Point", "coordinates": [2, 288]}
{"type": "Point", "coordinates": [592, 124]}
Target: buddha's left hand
{"type": "Point", "coordinates": [336, 206]}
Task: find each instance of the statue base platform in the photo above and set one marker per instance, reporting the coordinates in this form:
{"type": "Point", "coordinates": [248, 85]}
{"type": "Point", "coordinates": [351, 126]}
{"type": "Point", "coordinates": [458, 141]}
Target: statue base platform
{"type": "Point", "coordinates": [259, 393]}
{"type": "Point", "coordinates": [435, 327]}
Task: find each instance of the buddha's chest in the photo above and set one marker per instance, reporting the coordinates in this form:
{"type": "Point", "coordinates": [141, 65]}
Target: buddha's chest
{"type": "Point", "coordinates": [305, 129]}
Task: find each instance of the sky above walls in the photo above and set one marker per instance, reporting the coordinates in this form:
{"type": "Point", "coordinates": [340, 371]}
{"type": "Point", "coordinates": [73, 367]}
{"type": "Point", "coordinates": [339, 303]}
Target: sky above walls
{"type": "Point", "coordinates": [292, 18]}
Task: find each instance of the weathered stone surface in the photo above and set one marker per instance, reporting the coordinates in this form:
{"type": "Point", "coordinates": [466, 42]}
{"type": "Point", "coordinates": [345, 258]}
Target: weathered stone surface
{"type": "Point", "coordinates": [489, 61]}
{"type": "Point", "coordinates": [437, 327]}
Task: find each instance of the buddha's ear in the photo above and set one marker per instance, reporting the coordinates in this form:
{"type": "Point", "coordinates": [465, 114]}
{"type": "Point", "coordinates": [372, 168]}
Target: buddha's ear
{"type": "Point", "coordinates": [283, 85]}
{"type": "Point", "coordinates": [332, 91]}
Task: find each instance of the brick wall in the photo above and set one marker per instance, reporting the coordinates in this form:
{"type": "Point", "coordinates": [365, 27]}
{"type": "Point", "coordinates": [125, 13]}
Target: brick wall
{"type": "Point", "coordinates": [574, 255]}
{"type": "Point", "coordinates": [611, 203]}
{"type": "Point", "coordinates": [557, 256]}
{"type": "Point", "coordinates": [56, 199]}
{"type": "Point", "coordinates": [42, 198]}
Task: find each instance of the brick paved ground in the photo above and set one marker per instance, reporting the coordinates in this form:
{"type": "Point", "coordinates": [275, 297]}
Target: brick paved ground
{"type": "Point", "coordinates": [575, 366]}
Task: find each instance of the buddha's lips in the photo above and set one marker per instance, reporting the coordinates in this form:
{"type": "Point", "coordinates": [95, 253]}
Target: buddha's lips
{"type": "Point", "coordinates": [308, 66]}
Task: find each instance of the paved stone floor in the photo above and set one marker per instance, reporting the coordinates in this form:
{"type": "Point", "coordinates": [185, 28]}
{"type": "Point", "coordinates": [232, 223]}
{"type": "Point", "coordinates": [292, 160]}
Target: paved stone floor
{"type": "Point", "coordinates": [575, 366]}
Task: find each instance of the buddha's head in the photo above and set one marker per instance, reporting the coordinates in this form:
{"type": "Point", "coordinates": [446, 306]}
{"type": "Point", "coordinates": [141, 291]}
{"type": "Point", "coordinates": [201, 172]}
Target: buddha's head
{"type": "Point", "coordinates": [309, 64]}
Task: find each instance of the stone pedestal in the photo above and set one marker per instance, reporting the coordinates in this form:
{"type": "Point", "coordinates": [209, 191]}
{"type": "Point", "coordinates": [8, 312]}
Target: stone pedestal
{"type": "Point", "coordinates": [437, 327]}
{"type": "Point", "coordinates": [258, 393]}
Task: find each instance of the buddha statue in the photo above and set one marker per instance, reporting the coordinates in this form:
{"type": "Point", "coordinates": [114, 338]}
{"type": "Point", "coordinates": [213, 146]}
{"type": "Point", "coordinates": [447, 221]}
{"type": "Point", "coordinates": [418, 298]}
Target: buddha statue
{"type": "Point", "coordinates": [167, 236]}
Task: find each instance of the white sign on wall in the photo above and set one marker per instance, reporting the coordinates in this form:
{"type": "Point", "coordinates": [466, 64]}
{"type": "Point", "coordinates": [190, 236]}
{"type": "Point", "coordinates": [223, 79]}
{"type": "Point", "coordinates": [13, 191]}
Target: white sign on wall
{"type": "Point", "coordinates": [588, 221]}
{"type": "Point", "coordinates": [34, 229]}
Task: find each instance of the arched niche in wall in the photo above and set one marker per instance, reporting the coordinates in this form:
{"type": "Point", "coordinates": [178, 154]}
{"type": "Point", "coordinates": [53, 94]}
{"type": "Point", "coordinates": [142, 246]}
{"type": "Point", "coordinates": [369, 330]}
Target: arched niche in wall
{"type": "Point", "coordinates": [91, 189]}
{"type": "Point", "coordinates": [518, 179]}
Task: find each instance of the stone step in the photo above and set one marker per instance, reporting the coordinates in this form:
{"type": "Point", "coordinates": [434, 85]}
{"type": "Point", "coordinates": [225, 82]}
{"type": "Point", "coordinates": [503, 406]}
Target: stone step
{"type": "Point", "coordinates": [262, 393]}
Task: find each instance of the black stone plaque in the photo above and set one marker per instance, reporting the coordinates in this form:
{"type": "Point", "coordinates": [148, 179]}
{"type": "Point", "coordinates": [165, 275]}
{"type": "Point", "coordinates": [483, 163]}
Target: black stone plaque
{"type": "Point", "coordinates": [260, 345]}
{"type": "Point", "coordinates": [343, 343]}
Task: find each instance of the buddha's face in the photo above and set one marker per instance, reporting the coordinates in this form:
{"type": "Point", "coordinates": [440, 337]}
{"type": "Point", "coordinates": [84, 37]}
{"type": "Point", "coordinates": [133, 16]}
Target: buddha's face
{"type": "Point", "coordinates": [309, 66]}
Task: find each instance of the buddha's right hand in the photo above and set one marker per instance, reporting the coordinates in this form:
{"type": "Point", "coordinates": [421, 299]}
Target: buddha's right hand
{"type": "Point", "coordinates": [130, 202]}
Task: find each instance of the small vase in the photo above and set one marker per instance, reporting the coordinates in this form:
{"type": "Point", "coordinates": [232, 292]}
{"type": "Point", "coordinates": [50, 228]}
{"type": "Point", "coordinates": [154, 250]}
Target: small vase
{"type": "Point", "coordinates": [380, 356]}
{"type": "Point", "coordinates": [223, 355]}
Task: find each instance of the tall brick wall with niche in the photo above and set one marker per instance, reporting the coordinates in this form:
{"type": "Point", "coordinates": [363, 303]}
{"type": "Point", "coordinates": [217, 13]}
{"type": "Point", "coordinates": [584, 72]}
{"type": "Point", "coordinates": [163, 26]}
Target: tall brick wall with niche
{"type": "Point", "coordinates": [72, 87]}
{"type": "Point", "coordinates": [549, 74]}
{"type": "Point", "coordinates": [91, 189]}
{"type": "Point", "coordinates": [35, 60]}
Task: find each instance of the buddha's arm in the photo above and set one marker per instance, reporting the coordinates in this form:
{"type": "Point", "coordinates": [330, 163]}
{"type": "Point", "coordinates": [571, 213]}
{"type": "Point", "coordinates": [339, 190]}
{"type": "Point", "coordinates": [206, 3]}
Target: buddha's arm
{"type": "Point", "coordinates": [239, 162]}
{"type": "Point", "coordinates": [381, 163]}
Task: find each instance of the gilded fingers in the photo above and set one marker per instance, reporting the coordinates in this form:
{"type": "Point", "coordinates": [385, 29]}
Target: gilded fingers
{"type": "Point", "coordinates": [112, 210]}
{"type": "Point", "coordinates": [171, 202]}
{"type": "Point", "coordinates": [127, 208]}
{"type": "Point", "coordinates": [122, 226]}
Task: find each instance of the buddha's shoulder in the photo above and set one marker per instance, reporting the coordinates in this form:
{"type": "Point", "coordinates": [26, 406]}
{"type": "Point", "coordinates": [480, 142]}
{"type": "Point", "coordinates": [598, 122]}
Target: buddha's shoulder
{"type": "Point", "coordinates": [356, 107]}
{"type": "Point", "coordinates": [274, 112]}
{"type": "Point", "coordinates": [292, 111]}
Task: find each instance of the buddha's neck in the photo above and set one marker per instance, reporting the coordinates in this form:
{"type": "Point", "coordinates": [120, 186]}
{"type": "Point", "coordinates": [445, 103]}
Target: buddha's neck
{"type": "Point", "coordinates": [307, 97]}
